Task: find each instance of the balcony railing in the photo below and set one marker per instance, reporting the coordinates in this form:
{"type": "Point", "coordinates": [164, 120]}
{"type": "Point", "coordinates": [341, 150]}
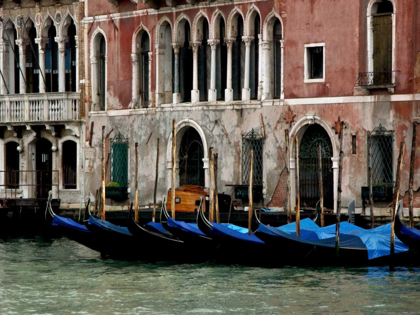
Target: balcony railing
{"type": "Point", "coordinates": [39, 107]}
{"type": "Point", "coordinates": [372, 79]}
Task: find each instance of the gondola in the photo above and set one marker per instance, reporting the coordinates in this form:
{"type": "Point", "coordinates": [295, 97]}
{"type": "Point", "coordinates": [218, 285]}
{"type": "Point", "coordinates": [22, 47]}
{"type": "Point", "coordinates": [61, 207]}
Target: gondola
{"type": "Point", "coordinates": [409, 236]}
{"type": "Point", "coordinates": [317, 246]}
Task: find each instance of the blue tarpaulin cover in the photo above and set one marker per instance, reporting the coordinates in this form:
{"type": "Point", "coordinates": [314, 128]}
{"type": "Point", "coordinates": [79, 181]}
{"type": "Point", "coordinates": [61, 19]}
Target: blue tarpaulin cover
{"type": "Point", "coordinates": [191, 228]}
{"type": "Point", "coordinates": [108, 226]}
{"type": "Point", "coordinates": [412, 232]}
{"type": "Point", "coordinates": [228, 231]}
{"type": "Point", "coordinates": [69, 224]}
{"type": "Point", "coordinates": [158, 227]}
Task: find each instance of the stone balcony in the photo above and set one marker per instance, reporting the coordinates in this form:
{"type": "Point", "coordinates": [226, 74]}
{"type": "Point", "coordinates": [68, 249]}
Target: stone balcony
{"type": "Point", "coordinates": [45, 107]}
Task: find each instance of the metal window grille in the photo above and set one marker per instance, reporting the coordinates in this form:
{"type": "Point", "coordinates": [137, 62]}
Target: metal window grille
{"type": "Point", "coordinates": [382, 154]}
{"type": "Point", "coordinates": [255, 141]}
{"type": "Point", "coordinates": [119, 160]}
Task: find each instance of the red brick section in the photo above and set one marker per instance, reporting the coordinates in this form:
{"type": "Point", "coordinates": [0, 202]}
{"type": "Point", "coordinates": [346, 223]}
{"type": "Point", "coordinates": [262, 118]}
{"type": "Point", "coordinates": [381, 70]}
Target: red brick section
{"type": "Point", "coordinates": [416, 201]}
{"type": "Point", "coordinates": [280, 194]}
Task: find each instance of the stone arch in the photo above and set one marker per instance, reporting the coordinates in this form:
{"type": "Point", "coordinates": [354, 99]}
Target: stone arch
{"type": "Point", "coordinates": [164, 64]}
{"type": "Point", "coordinates": [269, 23]}
{"type": "Point", "coordinates": [158, 27]}
{"type": "Point", "coordinates": [233, 16]}
{"type": "Point", "coordinates": [252, 13]}
{"type": "Point", "coordinates": [141, 67]}
{"type": "Point", "coordinates": [66, 22]}
{"type": "Point", "coordinates": [141, 28]}
{"type": "Point", "coordinates": [178, 32]}
{"type": "Point", "coordinates": [298, 130]}
{"type": "Point", "coordinates": [197, 27]}
{"type": "Point", "coordinates": [27, 25]}
{"type": "Point", "coordinates": [59, 166]}
{"type": "Point", "coordinates": [215, 19]}
{"type": "Point", "coordinates": [100, 101]}
{"type": "Point", "coordinates": [46, 24]}
{"type": "Point", "coordinates": [181, 127]}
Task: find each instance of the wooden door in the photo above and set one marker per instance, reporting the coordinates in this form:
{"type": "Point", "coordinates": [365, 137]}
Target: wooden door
{"type": "Point", "coordinates": [382, 49]}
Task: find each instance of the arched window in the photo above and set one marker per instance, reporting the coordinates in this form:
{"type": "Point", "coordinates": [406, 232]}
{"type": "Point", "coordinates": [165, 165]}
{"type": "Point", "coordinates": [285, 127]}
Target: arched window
{"type": "Point", "coordinates": [277, 43]}
{"type": "Point", "coordinates": [254, 62]}
{"type": "Point", "coordinates": [238, 58]}
{"type": "Point", "coordinates": [51, 60]}
{"type": "Point", "coordinates": [12, 165]}
{"type": "Point", "coordinates": [141, 69]}
{"type": "Point", "coordinates": [69, 164]}
{"type": "Point", "coordinates": [185, 61]}
{"type": "Point", "coordinates": [221, 60]}
{"type": "Point", "coordinates": [98, 72]}
{"type": "Point", "coordinates": [70, 58]}
{"type": "Point", "coordinates": [380, 49]}
{"type": "Point", "coordinates": [102, 73]}
{"type": "Point", "coordinates": [204, 59]}
{"type": "Point", "coordinates": [11, 62]}
{"type": "Point", "coordinates": [164, 80]}
{"type": "Point", "coordinates": [32, 66]}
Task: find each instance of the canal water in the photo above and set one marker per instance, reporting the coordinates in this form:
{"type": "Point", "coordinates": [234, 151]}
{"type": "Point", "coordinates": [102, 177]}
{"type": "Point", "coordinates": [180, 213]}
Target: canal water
{"type": "Point", "coordinates": [39, 276]}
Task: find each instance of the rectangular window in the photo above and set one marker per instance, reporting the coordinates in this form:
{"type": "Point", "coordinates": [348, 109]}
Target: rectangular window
{"type": "Point", "coordinates": [314, 63]}
{"type": "Point", "coordinates": [252, 141]}
{"type": "Point", "coordinates": [119, 160]}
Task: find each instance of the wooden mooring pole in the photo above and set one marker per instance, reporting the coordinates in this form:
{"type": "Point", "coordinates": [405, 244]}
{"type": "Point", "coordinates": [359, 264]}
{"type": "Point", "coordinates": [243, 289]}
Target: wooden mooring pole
{"type": "Point", "coordinates": [297, 187]}
{"type": "Point", "coordinates": [103, 174]}
{"type": "Point", "coordinates": [340, 175]}
{"type": "Point", "coordinates": [412, 161]}
{"type": "Point", "coordinates": [216, 192]}
{"type": "Point", "coordinates": [250, 191]}
{"type": "Point", "coordinates": [372, 207]}
{"type": "Point", "coordinates": [212, 184]}
{"type": "Point", "coordinates": [288, 201]}
{"type": "Point", "coordinates": [136, 185]}
{"type": "Point", "coordinates": [173, 168]}
{"type": "Point", "coordinates": [395, 201]}
{"type": "Point", "coordinates": [156, 182]}
{"type": "Point", "coordinates": [321, 187]}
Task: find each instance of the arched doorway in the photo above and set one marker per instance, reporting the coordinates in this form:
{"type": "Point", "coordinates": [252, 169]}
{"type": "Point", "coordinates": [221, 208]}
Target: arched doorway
{"type": "Point", "coordinates": [191, 154]}
{"type": "Point", "coordinates": [12, 165]}
{"type": "Point", "coordinates": [43, 168]}
{"type": "Point", "coordinates": [308, 167]}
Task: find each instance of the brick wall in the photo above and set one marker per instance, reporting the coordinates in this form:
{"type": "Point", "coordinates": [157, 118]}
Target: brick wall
{"type": "Point", "coordinates": [280, 194]}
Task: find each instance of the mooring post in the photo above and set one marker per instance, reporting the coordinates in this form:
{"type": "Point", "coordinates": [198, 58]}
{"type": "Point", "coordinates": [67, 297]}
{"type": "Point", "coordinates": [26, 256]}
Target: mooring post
{"type": "Point", "coordinates": [212, 184]}
{"type": "Point", "coordinates": [136, 181]}
{"type": "Point", "coordinates": [297, 187]}
{"type": "Point", "coordinates": [288, 208]}
{"type": "Point", "coordinates": [216, 192]}
{"type": "Point", "coordinates": [412, 161]}
{"type": "Point", "coordinates": [340, 175]}
{"type": "Point", "coordinates": [372, 208]}
{"type": "Point", "coordinates": [395, 201]}
{"type": "Point", "coordinates": [173, 168]}
{"type": "Point", "coordinates": [321, 187]}
{"type": "Point", "coordinates": [156, 182]}
{"type": "Point", "coordinates": [103, 174]}
{"type": "Point", "coordinates": [250, 191]}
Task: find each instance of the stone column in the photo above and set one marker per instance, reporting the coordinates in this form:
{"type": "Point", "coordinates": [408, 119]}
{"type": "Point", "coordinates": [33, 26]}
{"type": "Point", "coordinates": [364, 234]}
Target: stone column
{"type": "Point", "coordinates": [229, 90]}
{"type": "Point", "coordinates": [268, 73]}
{"type": "Point", "coordinates": [61, 63]}
{"type": "Point", "coordinates": [135, 79]}
{"type": "Point", "coordinates": [22, 63]}
{"type": "Point", "coordinates": [3, 62]}
{"type": "Point", "coordinates": [41, 57]}
{"type": "Point", "coordinates": [176, 97]}
{"type": "Point", "coordinates": [212, 91]}
{"type": "Point", "coordinates": [160, 75]}
{"type": "Point", "coordinates": [94, 77]}
{"type": "Point", "coordinates": [150, 79]}
{"type": "Point", "coordinates": [195, 93]}
{"type": "Point", "coordinates": [246, 92]}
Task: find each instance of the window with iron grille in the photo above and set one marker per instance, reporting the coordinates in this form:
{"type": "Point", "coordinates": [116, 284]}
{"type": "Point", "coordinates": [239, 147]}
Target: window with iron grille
{"type": "Point", "coordinates": [119, 160]}
{"type": "Point", "coordinates": [252, 140]}
{"type": "Point", "coordinates": [381, 156]}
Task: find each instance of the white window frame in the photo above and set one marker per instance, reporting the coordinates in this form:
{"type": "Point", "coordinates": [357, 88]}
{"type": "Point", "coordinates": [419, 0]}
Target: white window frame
{"type": "Point", "coordinates": [307, 78]}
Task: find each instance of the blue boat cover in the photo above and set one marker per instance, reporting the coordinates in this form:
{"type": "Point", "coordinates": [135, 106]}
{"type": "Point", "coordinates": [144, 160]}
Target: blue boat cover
{"type": "Point", "coordinates": [68, 224]}
{"type": "Point", "coordinates": [105, 225]}
{"type": "Point", "coordinates": [376, 241]}
{"type": "Point", "coordinates": [231, 231]}
{"type": "Point", "coordinates": [191, 228]}
{"type": "Point", "coordinates": [412, 232]}
{"type": "Point", "coordinates": [157, 227]}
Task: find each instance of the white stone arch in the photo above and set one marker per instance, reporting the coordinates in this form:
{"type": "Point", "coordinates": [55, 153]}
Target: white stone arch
{"type": "Point", "coordinates": [181, 127]}
{"type": "Point", "coordinates": [298, 130]}
{"type": "Point", "coordinates": [159, 25]}
{"type": "Point", "coordinates": [46, 24]}
{"type": "Point", "coordinates": [231, 21]}
{"type": "Point", "coordinates": [60, 159]}
{"type": "Point", "coordinates": [94, 61]}
{"type": "Point", "coordinates": [369, 16]}
{"type": "Point", "coordinates": [65, 23]}
{"type": "Point", "coordinates": [28, 22]}
{"type": "Point", "coordinates": [8, 63]}
{"type": "Point", "coordinates": [178, 31]}
{"type": "Point", "coordinates": [249, 22]}
{"type": "Point", "coordinates": [215, 20]}
{"type": "Point", "coordinates": [268, 50]}
{"type": "Point", "coordinates": [163, 45]}
{"type": "Point", "coordinates": [136, 62]}
{"type": "Point", "coordinates": [197, 27]}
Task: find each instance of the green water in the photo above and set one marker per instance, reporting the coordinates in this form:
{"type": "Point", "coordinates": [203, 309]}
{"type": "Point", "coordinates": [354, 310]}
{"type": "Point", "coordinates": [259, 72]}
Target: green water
{"type": "Point", "coordinates": [63, 277]}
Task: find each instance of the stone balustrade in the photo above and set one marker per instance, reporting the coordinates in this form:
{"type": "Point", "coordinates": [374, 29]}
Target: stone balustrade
{"type": "Point", "coordinates": [39, 107]}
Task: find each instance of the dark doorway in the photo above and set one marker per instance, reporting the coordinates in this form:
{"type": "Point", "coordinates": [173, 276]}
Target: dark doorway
{"type": "Point", "coordinates": [43, 168]}
{"type": "Point", "coordinates": [308, 167]}
{"type": "Point", "coordinates": [191, 154]}
{"type": "Point", "coordinates": [12, 165]}
{"type": "Point", "coordinates": [69, 165]}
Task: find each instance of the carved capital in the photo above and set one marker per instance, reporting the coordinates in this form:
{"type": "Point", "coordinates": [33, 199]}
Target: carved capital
{"type": "Point", "coordinates": [247, 40]}
{"type": "Point", "coordinates": [213, 42]}
{"type": "Point", "coordinates": [176, 46]}
{"type": "Point", "coordinates": [266, 45]}
{"type": "Point", "coordinates": [134, 58]}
